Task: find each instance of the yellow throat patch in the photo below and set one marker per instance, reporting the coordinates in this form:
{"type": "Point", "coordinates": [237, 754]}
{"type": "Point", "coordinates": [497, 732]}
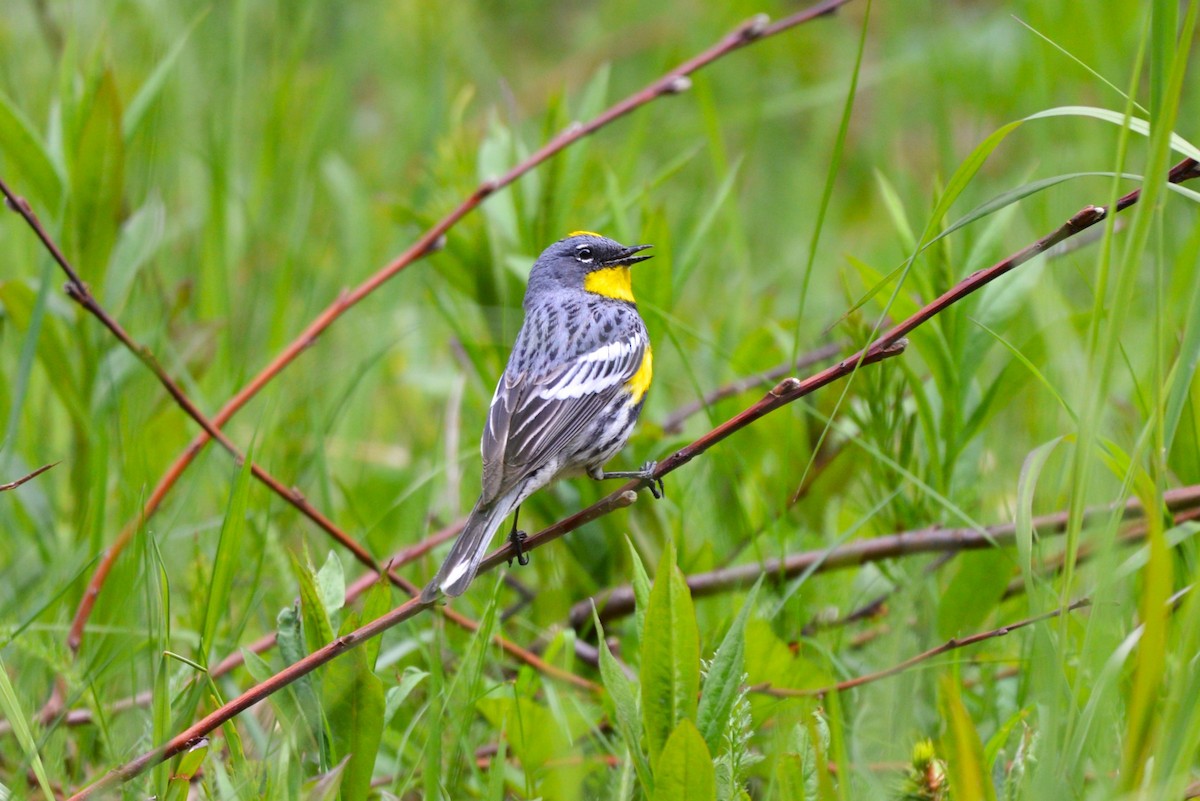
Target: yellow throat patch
{"type": "Point", "coordinates": [641, 379]}
{"type": "Point", "coordinates": [611, 282]}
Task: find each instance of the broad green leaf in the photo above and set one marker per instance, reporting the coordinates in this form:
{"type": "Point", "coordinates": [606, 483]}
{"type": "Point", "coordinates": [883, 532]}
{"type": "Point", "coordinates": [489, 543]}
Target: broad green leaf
{"type": "Point", "coordinates": [970, 779]}
{"type": "Point", "coordinates": [286, 702]}
{"type": "Point", "coordinates": [139, 240]}
{"type": "Point", "coordinates": [684, 771]}
{"type": "Point", "coordinates": [289, 636]}
{"type": "Point", "coordinates": [397, 695]}
{"type": "Point", "coordinates": [809, 743]}
{"type": "Point", "coordinates": [97, 173]}
{"type": "Point", "coordinates": [641, 586]}
{"type": "Point", "coordinates": [227, 562]}
{"type": "Point", "coordinates": [530, 728]}
{"type": "Point", "coordinates": [723, 681]}
{"type": "Point", "coordinates": [317, 629]}
{"type": "Point", "coordinates": [974, 591]}
{"type": "Point", "coordinates": [375, 606]}
{"type": "Point", "coordinates": [331, 585]}
{"type": "Point", "coordinates": [352, 696]}
{"type": "Point", "coordinates": [670, 669]}
{"type": "Point", "coordinates": [187, 766]}
{"type": "Point", "coordinates": [31, 171]}
{"type": "Point", "coordinates": [326, 786]}
{"type": "Point", "coordinates": [623, 694]}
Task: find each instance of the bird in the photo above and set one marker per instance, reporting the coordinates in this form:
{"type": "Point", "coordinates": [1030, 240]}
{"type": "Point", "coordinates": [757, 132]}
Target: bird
{"type": "Point", "coordinates": [569, 397]}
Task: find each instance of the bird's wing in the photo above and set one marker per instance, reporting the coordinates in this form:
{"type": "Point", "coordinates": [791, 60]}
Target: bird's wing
{"type": "Point", "coordinates": [533, 417]}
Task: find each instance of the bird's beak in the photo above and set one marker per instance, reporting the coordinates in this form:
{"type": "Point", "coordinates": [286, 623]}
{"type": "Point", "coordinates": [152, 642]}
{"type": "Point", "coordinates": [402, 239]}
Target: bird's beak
{"type": "Point", "coordinates": [626, 257]}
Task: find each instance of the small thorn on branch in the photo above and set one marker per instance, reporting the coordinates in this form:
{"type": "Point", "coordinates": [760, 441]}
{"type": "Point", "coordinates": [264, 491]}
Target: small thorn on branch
{"type": "Point", "coordinates": [754, 27]}
{"type": "Point", "coordinates": [437, 244]}
{"type": "Point", "coordinates": [678, 85]}
{"type": "Point", "coordinates": [77, 291]}
{"type": "Point", "coordinates": [487, 187]}
{"type": "Point", "coordinates": [785, 387]}
{"type": "Point", "coordinates": [1086, 217]}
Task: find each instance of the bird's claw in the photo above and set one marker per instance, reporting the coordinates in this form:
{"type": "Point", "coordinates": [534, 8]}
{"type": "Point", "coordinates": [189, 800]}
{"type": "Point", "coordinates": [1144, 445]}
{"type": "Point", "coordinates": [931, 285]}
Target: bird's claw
{"type": "Point", "coordinates": [653, 483]}
{"type": "Point", "coordinates": [517, 538]}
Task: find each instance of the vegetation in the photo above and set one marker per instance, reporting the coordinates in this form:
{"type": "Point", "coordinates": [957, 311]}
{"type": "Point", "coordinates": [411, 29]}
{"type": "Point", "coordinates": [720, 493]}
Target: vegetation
{"type": "Point", "coordinates": [961, 567]}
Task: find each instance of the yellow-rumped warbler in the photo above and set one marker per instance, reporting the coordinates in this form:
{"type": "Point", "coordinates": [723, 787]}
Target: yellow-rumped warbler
{"type": "Point", "coordinates": [569, 397]}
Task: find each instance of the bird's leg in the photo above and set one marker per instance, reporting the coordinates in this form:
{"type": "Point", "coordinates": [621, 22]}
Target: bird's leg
{"type": "Point", "coordinates": [517, 538]}
{"type": "Point", "coordinates": [646, 474]}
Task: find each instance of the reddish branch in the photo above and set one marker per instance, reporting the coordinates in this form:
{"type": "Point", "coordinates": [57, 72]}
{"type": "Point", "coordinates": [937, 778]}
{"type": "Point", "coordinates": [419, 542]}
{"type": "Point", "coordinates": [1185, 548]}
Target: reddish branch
{"type": "Point", "coordinates": [673, 423]}
{"type": "Point", "coordinates": [673, 82]}
{"type": "Point", "coordinates": [619, 601]}
{"type": "Point", "coordinates": [889, 345]}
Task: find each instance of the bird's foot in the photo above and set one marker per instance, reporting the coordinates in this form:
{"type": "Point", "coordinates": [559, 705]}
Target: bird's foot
{"type": "Point", "coordinates": [645, 475]}
{"type": "Point", "coordinates": [517, 538]}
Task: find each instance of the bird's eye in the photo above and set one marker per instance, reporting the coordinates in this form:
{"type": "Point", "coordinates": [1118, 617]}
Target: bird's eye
{"type": "Point", "coordinates": [583, 253]}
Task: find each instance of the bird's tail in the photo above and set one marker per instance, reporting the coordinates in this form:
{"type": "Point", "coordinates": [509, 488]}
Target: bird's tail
{"type": "Point", "coordinates": [456, 573]}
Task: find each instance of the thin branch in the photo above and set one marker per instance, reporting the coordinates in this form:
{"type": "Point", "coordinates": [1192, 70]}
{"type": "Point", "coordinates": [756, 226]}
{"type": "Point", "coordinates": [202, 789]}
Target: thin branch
{"type": "Point", "coordinates": [619, 601]}
{"type": "Point", "coordinates": [673, 423]}
{"type": "Point", "coordinates": [950, 645]}
{"type": "Point", "coordinates": [889, 345]}
{"type": "Point", "coordinates": [14, 484]}
{"type": "Point", "coordinates": [673, 82]}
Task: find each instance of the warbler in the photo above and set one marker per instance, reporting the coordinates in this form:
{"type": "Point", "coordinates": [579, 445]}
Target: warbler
{"type": "Point", "coordinates": [574, 386]}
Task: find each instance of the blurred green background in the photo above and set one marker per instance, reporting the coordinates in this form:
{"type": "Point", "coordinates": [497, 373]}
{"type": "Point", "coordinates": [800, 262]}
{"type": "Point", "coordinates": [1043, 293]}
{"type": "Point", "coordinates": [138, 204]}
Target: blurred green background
{"type": "Point", "coordinates": [219, 173]}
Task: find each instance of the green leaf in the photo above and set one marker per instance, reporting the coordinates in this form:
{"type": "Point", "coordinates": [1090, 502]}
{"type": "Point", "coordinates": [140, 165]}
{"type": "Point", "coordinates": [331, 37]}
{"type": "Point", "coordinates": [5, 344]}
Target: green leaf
{"type": "Point", "coordinates": [188, 764]}
{"type": "Point", "coordinates": [227, 562]}
{"type": "Point", "coordinates": [724, 678]}
{"type": "Point", "coordinates": [375, 606]}
{"type": "Point", "coordinates": [397, 695]}
{"type": "Point", "coordinates": [685, 768]}
{"type": "Point", "coordinates": [152, 86]}
{"type": "Point", "coordinates": [641, 586]}
{"type": "Point", "coordinates": [331, 585]}
{"type": "Point", "coordinates": [325, 787]}
{"type": "Point", "coordinates": [973, 592]}
{"type": "Point", "coordinates": [623, 694]}
{"type": "Point", "coordinates": [1031, 470]}
{"type": "Point", "coordinates": [970, 779]}
{"type": "Point", "coordinates": [97, 173]}
{"type": "Point", "coordinates": [670, 656]}
{"type": "Point", "coordinates": [34, 173]}
{"type": "Point", "coordinates": [139, 240]}
{"type": "Point", "coordinates": [536, 735]}
{"type": "Point", "coordinates": [353, 699]}
{"type": "Point", "coordinates": [809, 744]}
{"type": "Point", "coordinates": [10, 706]}
{"type": "Point", "coordinates": [317, 629]}
{"type": "Point", "coordinates": [21, 305]}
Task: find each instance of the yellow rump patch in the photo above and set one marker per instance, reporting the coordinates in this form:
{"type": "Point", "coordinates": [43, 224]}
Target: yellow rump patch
{"type": "Point", "coordinates": [640, 382]}
{"type": "Point", "coordinates": [611, 282]}
{"type": "Point", "coordinates": [583, 233]}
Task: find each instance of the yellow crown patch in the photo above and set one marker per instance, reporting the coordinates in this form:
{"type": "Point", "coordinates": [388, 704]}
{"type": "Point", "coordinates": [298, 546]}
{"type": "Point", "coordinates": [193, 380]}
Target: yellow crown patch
{"type": "Point", "coordinates": [583, 233]}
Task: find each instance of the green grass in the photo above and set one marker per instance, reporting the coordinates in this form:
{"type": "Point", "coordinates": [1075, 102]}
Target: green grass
{"type": "Point", "coordinates": [219, 173]}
